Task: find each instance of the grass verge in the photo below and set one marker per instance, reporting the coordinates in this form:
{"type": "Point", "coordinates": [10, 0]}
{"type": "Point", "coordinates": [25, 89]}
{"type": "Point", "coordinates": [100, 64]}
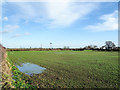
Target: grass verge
{"type": "Point", "coordinates": [19, 79]}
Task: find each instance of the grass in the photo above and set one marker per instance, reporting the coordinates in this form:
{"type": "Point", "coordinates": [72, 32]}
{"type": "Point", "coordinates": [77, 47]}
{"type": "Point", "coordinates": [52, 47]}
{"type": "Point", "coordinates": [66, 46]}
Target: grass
{"type": "Point", "coordinates": [19, 79]}
{"type": "Point", "coordinates": [68, 69]}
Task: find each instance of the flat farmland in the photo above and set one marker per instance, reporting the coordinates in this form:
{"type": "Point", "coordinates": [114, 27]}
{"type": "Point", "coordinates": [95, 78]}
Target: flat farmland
{"type": "Point", "coordinates": [71, 69]}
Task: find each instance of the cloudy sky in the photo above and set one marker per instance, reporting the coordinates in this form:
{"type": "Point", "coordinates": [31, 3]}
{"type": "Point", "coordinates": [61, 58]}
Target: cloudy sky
{"type": "Point", "coordinates": [73, 24]}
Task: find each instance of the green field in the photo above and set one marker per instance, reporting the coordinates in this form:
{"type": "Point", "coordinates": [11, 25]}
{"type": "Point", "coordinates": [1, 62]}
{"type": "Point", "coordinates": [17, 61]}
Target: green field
{"type": "Point", "coordinates": [68, 69]}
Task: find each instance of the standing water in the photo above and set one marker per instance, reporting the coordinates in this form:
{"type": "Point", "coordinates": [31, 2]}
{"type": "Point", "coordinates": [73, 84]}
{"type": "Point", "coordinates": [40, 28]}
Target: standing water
{"type": "Point", "coordinates": [29, 68]}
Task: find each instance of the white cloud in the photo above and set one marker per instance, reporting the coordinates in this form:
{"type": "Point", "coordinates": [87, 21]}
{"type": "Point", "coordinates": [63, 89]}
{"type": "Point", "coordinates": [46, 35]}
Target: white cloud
{"type": "Point", "coordinates": [16, 35]}
{"type": "Point", "coordinates": [52, 13]}
{"type": "Point", "coordinates": [5, 18]}
{"type": "Point", "coordinates": [20, 35]}
{"type": "Point", "coordinates": [9, 28]}
{"type": "Point", "coordinates": [110, 23]}
{"type": "Point", "coordinates": [60, 0]}
{"type": "Point", "coordinates": [27, 10]}
{"type": "Point", "coordinates": [63, 14]}
{"type": "Point", "coordinates": [21, 12]}
{"type": "Point", "coordinates": [0, 18]}
{"type": "Point", "coordinates": [27, 33]}
{"type": "Point", "coordinates": [5, 31]}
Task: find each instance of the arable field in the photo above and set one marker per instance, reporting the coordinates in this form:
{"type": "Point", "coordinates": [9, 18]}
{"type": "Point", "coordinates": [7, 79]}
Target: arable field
{"type": "Point", "coordinates": [71, 69]}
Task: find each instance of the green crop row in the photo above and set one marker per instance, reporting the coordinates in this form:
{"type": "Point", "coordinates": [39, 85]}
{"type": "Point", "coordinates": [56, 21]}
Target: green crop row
{"type": "Point", "coordinates": [71, 69]}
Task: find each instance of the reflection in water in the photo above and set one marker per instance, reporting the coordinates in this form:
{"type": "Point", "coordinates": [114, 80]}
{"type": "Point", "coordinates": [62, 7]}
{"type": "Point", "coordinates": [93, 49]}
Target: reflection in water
{"type": "Point", "coordinates": [29, 68]}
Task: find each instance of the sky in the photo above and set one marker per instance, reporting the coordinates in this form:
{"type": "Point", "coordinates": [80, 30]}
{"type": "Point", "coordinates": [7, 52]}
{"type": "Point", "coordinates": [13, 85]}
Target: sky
{"type": "Point", "coordinates": [73, 24]}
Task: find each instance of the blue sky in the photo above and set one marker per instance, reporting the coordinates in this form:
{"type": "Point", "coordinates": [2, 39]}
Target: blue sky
{"type": "Point", "coordinates": [73, 24]}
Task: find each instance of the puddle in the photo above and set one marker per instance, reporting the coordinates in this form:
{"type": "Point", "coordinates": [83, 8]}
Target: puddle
{"type": "Point", "coordinates": [30, 69]}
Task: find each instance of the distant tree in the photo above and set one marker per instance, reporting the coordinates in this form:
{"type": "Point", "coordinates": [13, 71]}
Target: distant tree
{"type": "Point", "coordinates": [66, 47]}
{"type": "Point", "coordinates": [103, 47]}
{"type": "Point", "coordinates": [109, 45]}
{"type": "Point", "coordinates": [90, 47]}
{"type": "Point", "coordinates": [94, 46]}
{"type": "Point", "coordinates": [86, 47]}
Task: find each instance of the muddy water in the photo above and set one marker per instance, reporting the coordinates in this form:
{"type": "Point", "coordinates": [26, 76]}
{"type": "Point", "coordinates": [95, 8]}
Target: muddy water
{"type": "Point", "coordinates": [29, 68]}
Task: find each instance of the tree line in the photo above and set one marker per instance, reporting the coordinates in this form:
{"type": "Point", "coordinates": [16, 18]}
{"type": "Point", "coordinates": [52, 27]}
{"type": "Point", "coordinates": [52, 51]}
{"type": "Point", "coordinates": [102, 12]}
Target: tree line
{"type": "Point", "coordinates": [109, 46]}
